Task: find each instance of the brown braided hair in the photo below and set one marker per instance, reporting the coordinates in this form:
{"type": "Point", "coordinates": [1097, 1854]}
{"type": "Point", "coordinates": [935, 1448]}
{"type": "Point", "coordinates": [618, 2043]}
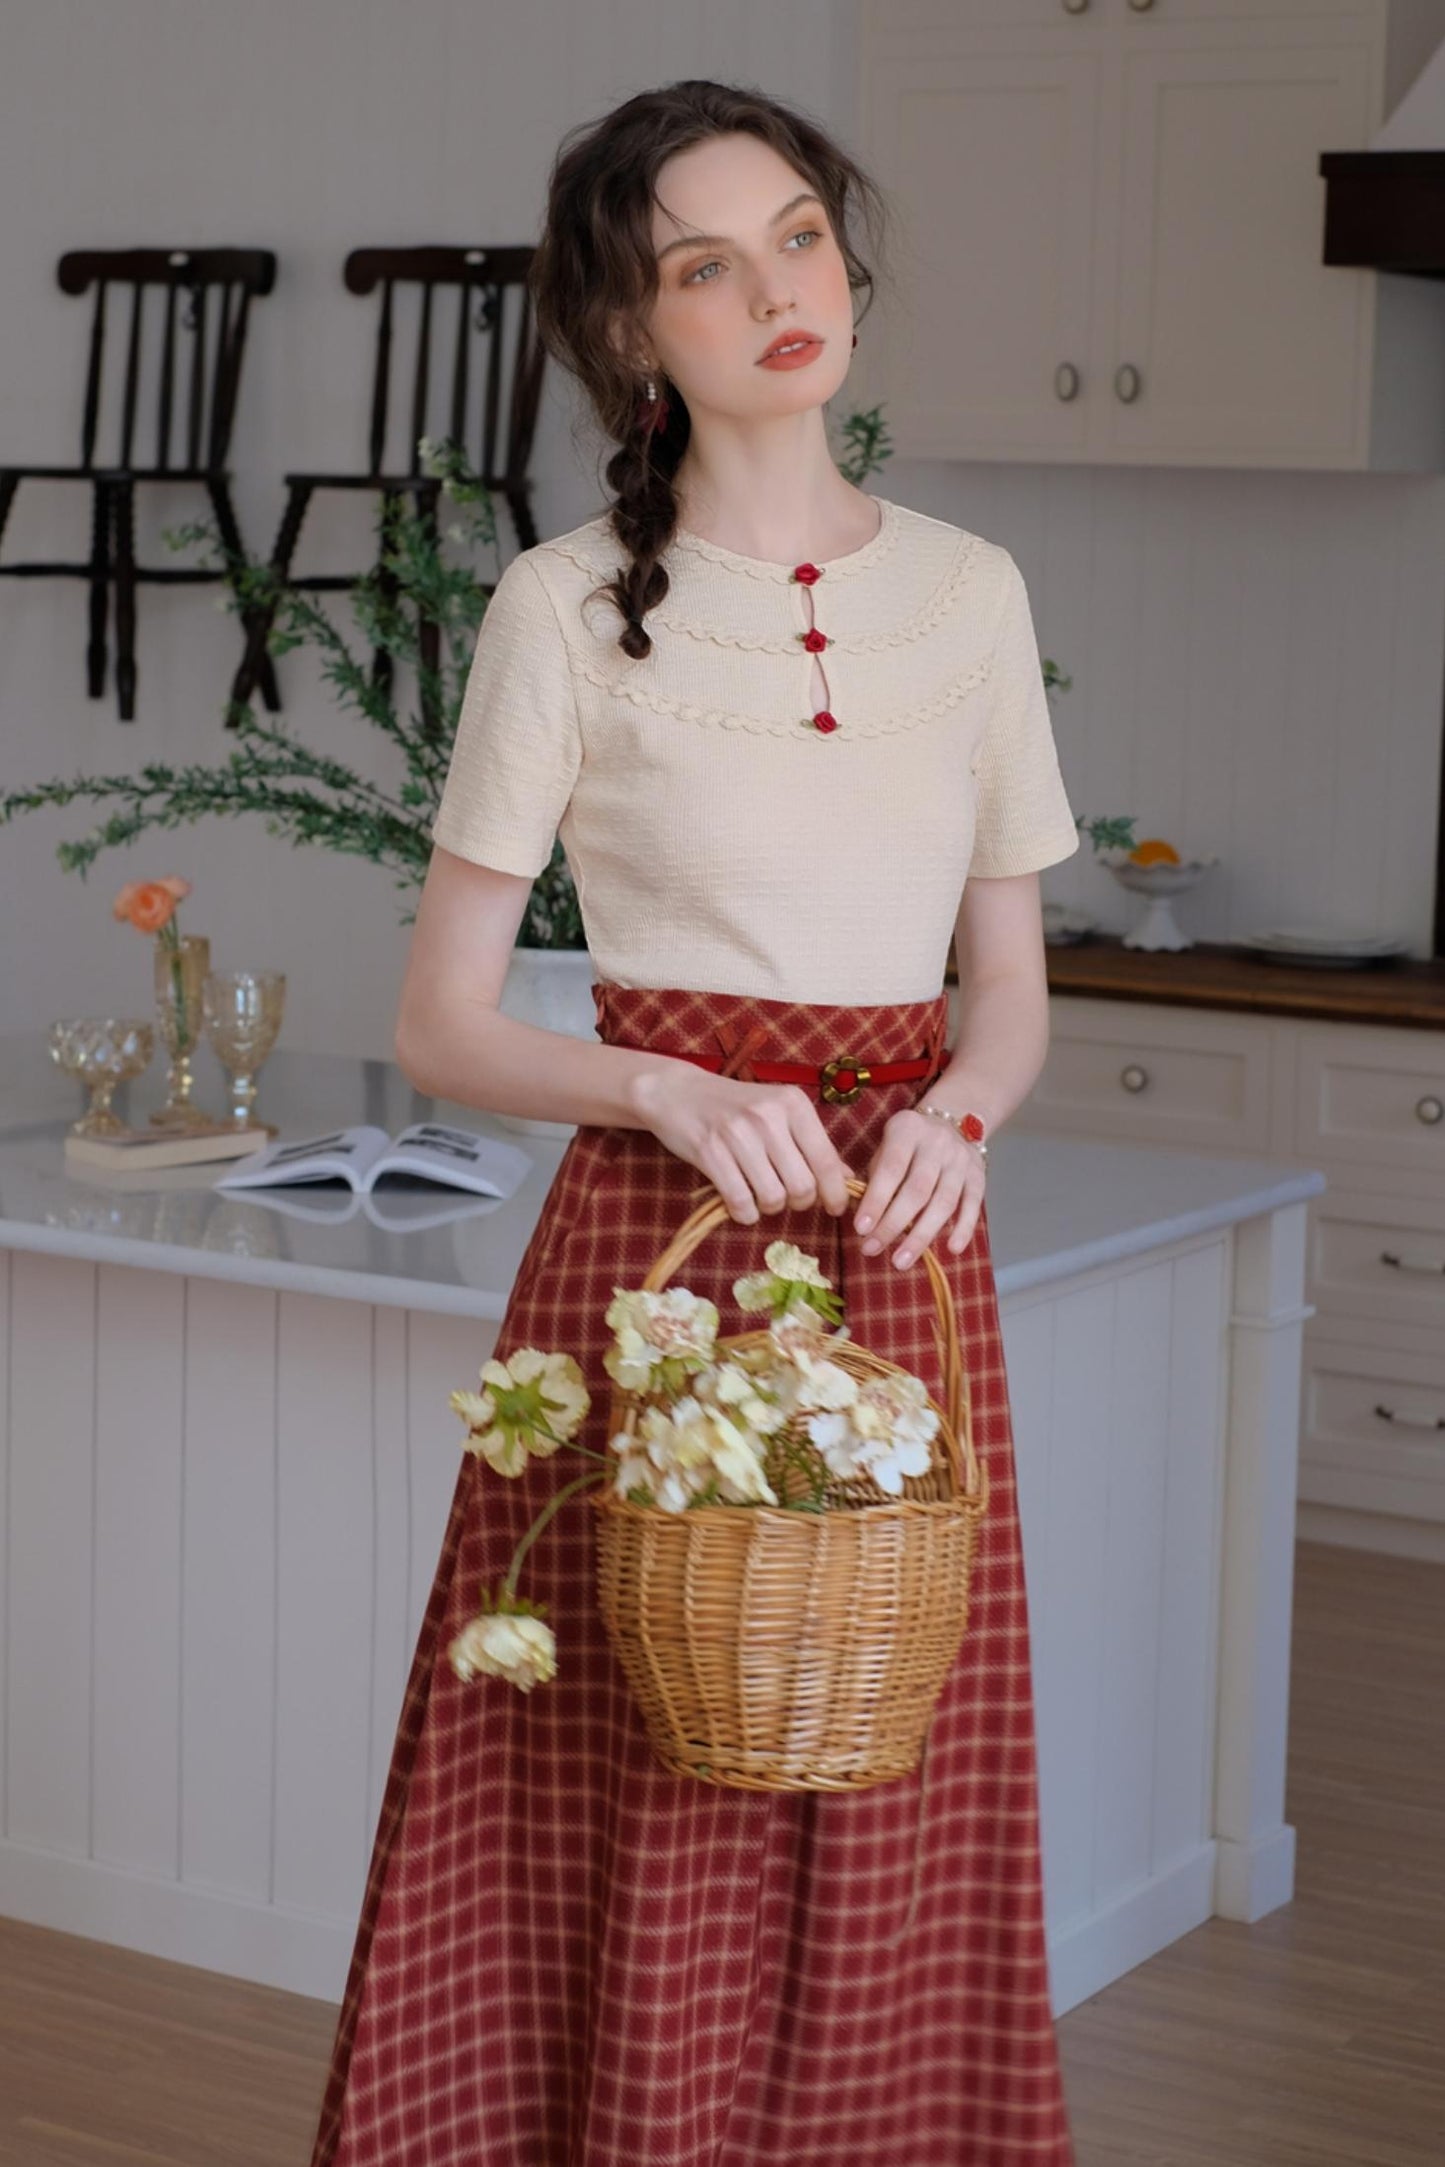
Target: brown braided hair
{"type": "Point", "coordinates": [595, 266]}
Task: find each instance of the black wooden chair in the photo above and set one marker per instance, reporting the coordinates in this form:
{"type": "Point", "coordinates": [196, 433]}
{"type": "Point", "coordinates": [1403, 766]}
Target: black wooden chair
{"type": "Point", "coordinates": [492, 304]}
{"type": "Point", "coordinates": [208, 379]}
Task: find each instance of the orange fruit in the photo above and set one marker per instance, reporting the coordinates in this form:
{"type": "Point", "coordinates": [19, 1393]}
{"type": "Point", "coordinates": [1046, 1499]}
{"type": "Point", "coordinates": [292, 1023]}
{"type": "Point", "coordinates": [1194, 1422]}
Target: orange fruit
{"type": "Point", "coordinates": [1154, 852]}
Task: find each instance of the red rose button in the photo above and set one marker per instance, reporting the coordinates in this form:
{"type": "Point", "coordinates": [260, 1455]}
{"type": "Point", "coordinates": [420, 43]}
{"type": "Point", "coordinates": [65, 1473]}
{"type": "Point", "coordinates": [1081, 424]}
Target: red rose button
{"type": "Point", "coordinates": [815, 641]}
{"type": "Point", "coordinates": [806, 574]}
{"type": "Point", "coordinates": [824, 721]}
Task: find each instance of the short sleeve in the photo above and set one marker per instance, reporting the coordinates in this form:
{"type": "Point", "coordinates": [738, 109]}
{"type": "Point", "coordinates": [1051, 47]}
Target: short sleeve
{"type": "Point", "coordinates": [1024, 820]}
{"type": "Point", "coordinates": [517, 747]}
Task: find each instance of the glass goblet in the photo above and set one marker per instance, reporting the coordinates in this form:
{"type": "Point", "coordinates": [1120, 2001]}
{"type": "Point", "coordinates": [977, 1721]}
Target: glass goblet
{"type": "Point", "coordinates": [102, 1051]}
{"type": "Point", "coordinates": [242, 1011]}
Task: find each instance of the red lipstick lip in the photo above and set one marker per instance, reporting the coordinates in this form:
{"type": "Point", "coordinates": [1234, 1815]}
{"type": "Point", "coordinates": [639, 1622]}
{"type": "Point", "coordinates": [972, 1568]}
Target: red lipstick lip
{"type": "Point", "coordinates": [787, 338]}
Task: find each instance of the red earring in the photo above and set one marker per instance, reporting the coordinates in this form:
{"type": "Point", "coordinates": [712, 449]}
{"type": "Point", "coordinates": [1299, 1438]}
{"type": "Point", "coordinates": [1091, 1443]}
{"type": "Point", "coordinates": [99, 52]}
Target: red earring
{"type": "Point", "coordinates": [855, 338]}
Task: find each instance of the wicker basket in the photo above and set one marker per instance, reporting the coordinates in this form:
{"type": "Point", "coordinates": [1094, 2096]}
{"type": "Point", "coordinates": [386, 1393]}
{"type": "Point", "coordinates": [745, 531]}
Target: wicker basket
{"type": "Point", "coordinates": [785, 1651]}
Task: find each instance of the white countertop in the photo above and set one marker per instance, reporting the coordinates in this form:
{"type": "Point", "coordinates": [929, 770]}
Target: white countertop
{"type": "Point", "coordinates": [1057, 1205]}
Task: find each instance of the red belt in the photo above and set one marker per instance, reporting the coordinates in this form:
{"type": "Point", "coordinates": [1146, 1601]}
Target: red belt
{"type": "Point", "coordinates": [839, 1081]}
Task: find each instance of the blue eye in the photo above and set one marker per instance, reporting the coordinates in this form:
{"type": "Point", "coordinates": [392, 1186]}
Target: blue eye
{"type": "Point", "coordinates": [695, 278]}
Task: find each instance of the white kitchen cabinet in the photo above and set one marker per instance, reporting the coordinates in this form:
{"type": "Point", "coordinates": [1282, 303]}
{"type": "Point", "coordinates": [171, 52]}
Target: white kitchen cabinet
{"type": "Point", "coordinates": [1112, 230]}
{"type": "Point", "coordinates": [1363, 1103]}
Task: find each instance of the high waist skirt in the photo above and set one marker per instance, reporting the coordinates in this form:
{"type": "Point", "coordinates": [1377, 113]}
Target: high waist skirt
{"type": "Point", "coordinates": [568, 1956]}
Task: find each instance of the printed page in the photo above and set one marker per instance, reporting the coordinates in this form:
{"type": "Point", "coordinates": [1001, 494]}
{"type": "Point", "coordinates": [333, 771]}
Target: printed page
{"type": "Point", "coordinates": [335, 1155]}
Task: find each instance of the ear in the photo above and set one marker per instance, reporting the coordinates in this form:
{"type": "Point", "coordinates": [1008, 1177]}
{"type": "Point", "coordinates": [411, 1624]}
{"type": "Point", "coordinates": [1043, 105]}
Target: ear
{"type": "Point", "coordinates": [629, 343]}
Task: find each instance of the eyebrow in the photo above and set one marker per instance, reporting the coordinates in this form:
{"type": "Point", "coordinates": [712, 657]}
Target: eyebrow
{"type": "Point", "coordinates": [721, 240]}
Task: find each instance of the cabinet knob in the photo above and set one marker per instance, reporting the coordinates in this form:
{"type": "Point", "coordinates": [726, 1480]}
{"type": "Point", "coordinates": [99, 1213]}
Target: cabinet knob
{"type": "Point", "coordinates": [1429, 1110]}
{"type": "Point", "coordinates": [1075, 7]}
{"type": "Point", "coordinates": [1134, 1078]}
{"type": "Point", "coordinates": [1141, 6]}
{"type": "Point", "coordinates": [1127, 382]}
{"type": "Point", "coordinates": [1066, 381]}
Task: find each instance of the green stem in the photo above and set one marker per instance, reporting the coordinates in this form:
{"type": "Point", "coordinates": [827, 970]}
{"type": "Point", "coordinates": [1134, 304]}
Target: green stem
{"type": "Point", "coordinates": [510, 1583]}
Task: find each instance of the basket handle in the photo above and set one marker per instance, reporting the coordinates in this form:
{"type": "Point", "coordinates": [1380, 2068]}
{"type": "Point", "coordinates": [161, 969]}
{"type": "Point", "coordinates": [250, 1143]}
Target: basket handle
{"type": "Point", "coordinates": [713, 1211]}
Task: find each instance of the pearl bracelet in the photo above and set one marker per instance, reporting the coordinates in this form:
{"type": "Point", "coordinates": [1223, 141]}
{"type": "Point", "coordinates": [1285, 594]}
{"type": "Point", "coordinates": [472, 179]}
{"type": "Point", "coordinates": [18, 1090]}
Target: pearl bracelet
{"type": "Point", "coordinates": [957, 1121]}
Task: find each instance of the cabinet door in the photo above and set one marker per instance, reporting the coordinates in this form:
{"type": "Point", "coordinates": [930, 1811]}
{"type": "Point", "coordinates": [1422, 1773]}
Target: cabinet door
{"type": "Point", "coordinates": [1248, 347]}
{"type": "Point", "coordinates": [988, 159]}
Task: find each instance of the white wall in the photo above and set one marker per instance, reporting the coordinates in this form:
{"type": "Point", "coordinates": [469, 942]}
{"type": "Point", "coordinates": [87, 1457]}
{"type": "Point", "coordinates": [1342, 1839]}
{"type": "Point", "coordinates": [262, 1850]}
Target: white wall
{"type": "Point", "coordinates": [1257, 657]}
{"type": "Point", "coordinates": [312, 127]}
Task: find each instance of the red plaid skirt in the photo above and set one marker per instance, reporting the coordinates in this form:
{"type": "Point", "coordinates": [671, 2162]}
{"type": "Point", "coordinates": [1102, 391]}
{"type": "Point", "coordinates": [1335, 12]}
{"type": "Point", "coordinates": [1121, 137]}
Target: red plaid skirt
{"type": "Point", "coordinates": [567, 1956]}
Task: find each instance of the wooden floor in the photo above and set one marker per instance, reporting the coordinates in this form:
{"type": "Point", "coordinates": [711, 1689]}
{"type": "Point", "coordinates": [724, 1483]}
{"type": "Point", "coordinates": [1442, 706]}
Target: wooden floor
{"type": "Point", "coordinates": [1313, 2039]}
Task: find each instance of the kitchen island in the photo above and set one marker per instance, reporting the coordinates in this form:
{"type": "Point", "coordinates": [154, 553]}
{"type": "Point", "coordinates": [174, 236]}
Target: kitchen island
{"type": "Point", "coordinates": [228, 1459]}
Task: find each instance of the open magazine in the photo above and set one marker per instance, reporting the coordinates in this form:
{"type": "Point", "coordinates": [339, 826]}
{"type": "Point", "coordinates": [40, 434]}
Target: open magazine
{"type": "Point", "coordinates": [429, 1152]}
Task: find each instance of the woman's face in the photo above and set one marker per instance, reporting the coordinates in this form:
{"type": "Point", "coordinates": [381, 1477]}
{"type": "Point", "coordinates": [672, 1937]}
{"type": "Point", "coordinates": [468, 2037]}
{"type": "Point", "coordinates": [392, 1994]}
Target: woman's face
{"type": "Point", "coordinates": [724, 298]}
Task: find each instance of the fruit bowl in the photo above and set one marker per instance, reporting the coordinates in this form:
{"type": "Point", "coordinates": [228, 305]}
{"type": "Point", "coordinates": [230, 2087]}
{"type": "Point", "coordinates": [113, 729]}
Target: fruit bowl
{"type": "Point", "coordinates": [1159, 883]}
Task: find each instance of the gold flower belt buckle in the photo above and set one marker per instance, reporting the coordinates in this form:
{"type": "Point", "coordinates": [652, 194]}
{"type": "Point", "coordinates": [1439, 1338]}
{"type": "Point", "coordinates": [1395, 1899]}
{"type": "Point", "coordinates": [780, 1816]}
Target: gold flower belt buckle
{"type": "Point", "coordinates": [843, 1095]}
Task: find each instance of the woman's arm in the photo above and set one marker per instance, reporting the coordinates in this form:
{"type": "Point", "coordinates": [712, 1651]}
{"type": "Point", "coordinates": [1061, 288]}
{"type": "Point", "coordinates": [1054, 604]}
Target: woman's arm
{"type": "Point", "coordinates": [763, 1146]}
{"type": "Point", "coordinates": [1003, 1020]}
{"type": "Point", "coordinates": [452, 1039]}
{"type": "Point", "coordinates": [925, 1173]}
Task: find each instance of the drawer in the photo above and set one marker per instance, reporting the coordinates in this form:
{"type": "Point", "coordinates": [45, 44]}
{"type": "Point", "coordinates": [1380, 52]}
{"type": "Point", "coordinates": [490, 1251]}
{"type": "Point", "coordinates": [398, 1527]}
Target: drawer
{"type": "Point", "coordinates": [1373, 1098]}
{"type": "Point", "coordinates": [1154, 1075]}
{"type": "Point", "coordinates": [1378, 1264]}
{"type": "Point", "coordinates": [1372, 1429]}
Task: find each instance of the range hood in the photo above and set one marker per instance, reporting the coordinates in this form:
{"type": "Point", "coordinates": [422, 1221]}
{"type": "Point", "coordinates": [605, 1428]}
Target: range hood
{"type": "Point", "coordinates": [1385, 206]}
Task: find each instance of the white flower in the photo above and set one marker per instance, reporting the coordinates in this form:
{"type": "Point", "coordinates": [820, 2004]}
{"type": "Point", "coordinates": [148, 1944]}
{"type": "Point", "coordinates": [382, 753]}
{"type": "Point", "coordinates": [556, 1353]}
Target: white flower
{"type": "Point", "coordinates": [520, 1649]}
{"type": "Point", "coordinates": [682, 1451]}
{"type": "Point", "coordinates": [785, 1262]}
{"type": "Point", "coordinates": [732, 1387]}
{"type": "Point", "coordinates": [659, 1339]}
{"type": "Point", "coordinates": [528, 1405]}
{"type": "Point", "coordinates": [885, 1432]}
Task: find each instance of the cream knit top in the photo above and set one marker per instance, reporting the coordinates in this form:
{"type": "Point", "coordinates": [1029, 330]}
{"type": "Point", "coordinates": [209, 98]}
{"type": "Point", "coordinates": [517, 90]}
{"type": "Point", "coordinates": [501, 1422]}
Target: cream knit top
{"type": "Point", "coordinates": [744, 813]}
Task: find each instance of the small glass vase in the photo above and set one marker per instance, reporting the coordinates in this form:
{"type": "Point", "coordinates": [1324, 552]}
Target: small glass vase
{"type": "Point", "coordinates": [180, 972]}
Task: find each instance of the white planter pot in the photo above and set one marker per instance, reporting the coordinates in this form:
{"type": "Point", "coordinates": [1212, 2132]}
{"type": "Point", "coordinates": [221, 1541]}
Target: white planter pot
{"type": "Point", "coordinates": [551, 987]}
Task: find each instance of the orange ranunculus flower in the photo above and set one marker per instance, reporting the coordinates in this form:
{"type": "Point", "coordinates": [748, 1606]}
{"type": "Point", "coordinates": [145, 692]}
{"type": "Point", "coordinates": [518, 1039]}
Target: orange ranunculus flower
{"type": "Point", "coordinates": [149, 904]}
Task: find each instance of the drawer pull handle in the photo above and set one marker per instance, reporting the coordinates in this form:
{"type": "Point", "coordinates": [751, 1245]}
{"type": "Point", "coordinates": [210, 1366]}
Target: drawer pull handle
{"type": "Point", "coordinates": [1411, 1422]}
{"type": "Point", "coordinates": [1134, 1078]}
{"type": "Point", "coordinates": [1429, 1110]}
{"type": "Point", "coordinates": [1408, 1264]}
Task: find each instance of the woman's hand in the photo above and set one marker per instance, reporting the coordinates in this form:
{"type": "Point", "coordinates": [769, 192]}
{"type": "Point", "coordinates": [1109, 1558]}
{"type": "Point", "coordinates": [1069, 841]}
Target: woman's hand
{"type": "Point", "coordinates": [762, 1146]}
{"type": "Point", "coordinates": [923, 1172]}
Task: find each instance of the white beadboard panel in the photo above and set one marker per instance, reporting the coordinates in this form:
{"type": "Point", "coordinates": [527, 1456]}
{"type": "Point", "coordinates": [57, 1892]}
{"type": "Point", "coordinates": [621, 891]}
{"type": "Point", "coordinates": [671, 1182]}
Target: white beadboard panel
{"type": "Point", "coordinates": [324, 1578]}
{"type": "Point", "coordinates": [50, 1536]}
{"type": "Point", "coordinates": [1257, 663]}
{"type": "Point", "coordinates": [1120, 1472]}
{"type": "Point", "coordinates": [1183, 1774]}
{"type": "Point", "coordinates": [391, 1645]}
{"type": "Point", "coordinates": [1137, 1466]}
{"type": "Point", "coordinates": [228, 1607]}
{"type": "Point", "coordinates": [1067, 1598]}
{"type": "Point", "coordinates": [140, 1341]}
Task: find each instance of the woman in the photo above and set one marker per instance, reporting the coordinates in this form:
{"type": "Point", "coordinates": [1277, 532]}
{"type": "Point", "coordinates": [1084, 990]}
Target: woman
{"type": "Point", "coordinates": [781, 724]}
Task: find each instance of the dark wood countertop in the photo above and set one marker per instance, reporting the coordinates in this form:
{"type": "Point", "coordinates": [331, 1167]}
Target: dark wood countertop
{"type": "Point", "coordinates": [1408, 991]}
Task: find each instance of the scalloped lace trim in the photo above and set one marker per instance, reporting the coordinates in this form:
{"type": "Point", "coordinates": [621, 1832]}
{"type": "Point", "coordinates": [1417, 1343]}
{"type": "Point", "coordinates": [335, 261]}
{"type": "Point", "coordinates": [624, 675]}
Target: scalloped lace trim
{"type": "Point", "coordinates": [923, 620]}
{"type": "Point", "coordinates": [913, 628]}
{"type": "Point", "coordinates": [768, 726]}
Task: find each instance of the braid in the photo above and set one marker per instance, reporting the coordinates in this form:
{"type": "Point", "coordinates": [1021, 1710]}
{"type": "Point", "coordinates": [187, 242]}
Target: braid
{"type": "Point", "coordinates": [593, 283]}
{"type": "Point", "coordinates": [641, 474]}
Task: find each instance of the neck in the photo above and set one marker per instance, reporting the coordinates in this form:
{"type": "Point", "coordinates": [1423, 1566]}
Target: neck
{"type": "Point", "coordinates": [770, 489]}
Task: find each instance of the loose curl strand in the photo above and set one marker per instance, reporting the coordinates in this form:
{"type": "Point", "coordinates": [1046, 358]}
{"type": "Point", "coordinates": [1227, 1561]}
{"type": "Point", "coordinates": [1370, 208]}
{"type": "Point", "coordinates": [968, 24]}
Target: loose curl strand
{"type": "Point", "coordinates": [594, 271]}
